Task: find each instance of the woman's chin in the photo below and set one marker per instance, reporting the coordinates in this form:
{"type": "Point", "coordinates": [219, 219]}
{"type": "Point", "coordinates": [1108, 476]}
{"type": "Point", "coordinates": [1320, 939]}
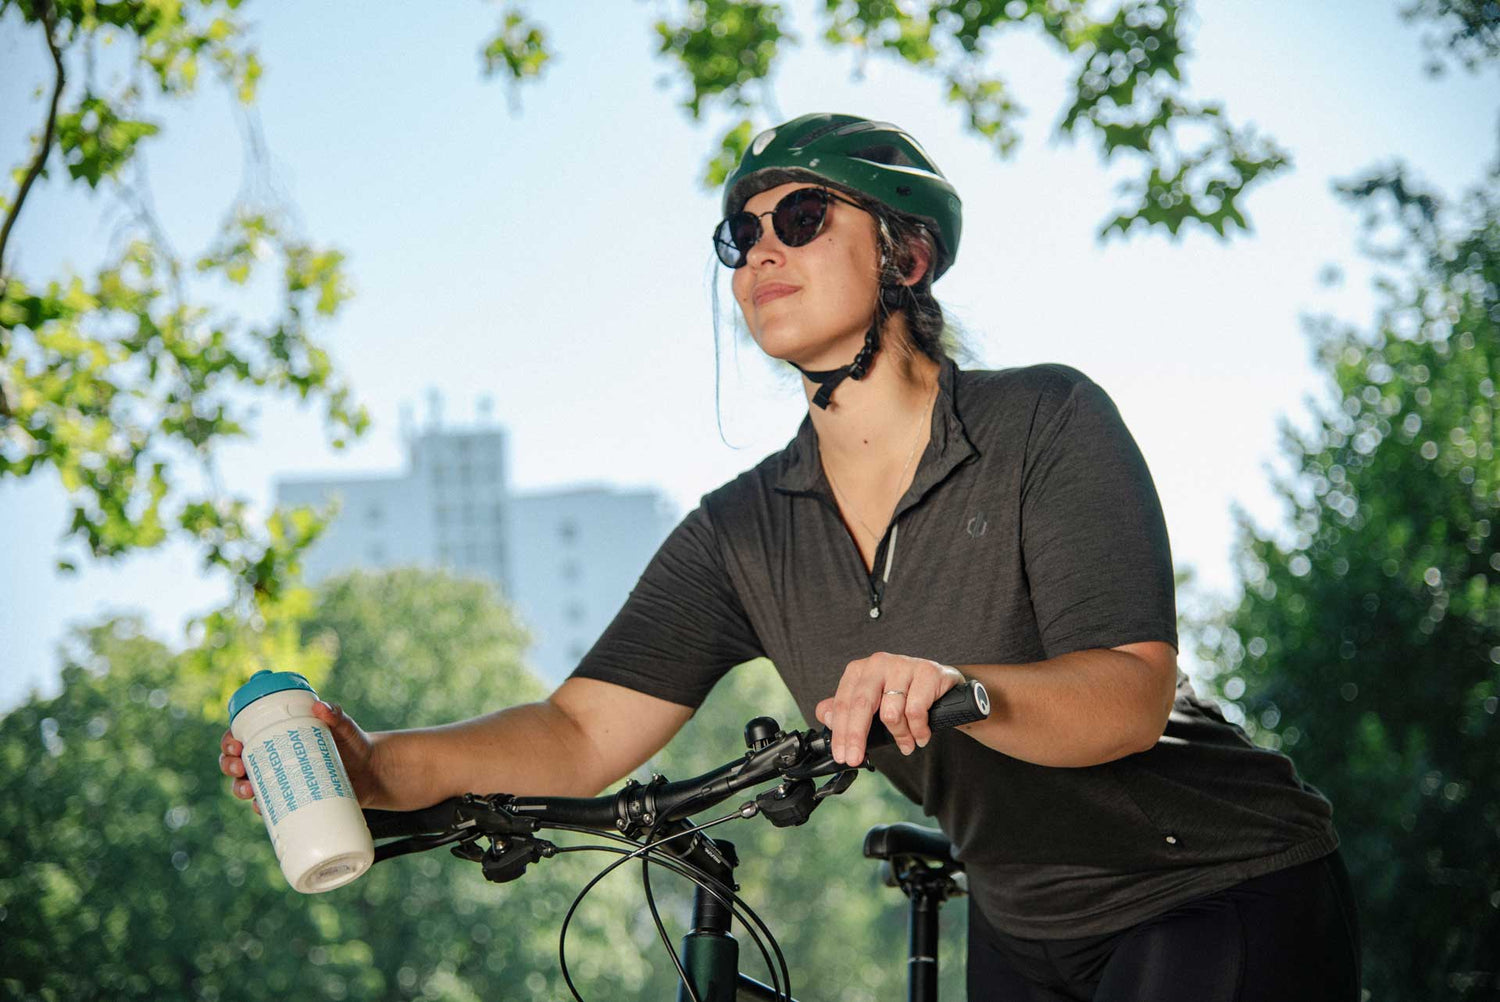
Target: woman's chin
{"type": "Point", "coordinates": [803, 351]}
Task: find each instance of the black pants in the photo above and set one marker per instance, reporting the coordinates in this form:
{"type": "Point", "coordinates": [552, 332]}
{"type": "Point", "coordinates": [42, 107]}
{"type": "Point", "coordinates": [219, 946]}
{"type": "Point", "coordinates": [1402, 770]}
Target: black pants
{"type": "Point", "coordinates": [1287, 936]}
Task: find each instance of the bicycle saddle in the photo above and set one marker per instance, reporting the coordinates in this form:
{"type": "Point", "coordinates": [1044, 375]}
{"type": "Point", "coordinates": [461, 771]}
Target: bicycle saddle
{"type": "Point", "coordinates": [906, 839]}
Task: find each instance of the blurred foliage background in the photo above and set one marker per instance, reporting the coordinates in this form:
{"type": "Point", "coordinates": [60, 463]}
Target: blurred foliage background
{"type": "Point", "coordinates": [1366, 642]}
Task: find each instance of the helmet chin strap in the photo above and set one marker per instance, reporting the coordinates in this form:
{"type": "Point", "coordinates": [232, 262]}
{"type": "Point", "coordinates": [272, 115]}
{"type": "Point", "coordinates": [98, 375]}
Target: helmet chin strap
{"type": "Point", "coordinates": [829, 379]}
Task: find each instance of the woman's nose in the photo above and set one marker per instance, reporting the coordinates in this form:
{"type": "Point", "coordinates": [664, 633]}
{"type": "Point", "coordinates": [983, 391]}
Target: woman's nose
{"type": "Point", "coordinates": [767, 247]}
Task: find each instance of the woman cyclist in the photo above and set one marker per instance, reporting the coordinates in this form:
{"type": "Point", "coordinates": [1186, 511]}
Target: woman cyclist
{"type": "Point", "coordinates": [927, 524]}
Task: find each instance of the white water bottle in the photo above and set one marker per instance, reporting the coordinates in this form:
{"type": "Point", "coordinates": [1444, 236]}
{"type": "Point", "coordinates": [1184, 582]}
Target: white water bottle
{"type": "Point", "coordinates": [304, 792]}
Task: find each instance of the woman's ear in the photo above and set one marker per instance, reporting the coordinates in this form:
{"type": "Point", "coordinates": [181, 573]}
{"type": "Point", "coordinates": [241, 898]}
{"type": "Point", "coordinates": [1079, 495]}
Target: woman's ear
{"type": "Point", "coordinates": [919, 256]}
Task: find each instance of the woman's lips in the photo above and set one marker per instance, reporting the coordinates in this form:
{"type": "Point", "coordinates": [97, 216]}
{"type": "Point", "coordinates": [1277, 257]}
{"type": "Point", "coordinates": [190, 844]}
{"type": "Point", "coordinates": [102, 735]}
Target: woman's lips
{"type": "Point", "coordinates": [775, 290]}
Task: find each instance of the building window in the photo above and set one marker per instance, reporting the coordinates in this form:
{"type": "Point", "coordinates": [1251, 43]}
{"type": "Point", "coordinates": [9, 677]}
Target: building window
{"type": "Point", "coordinates": [570, 571]}
{"type": "Point", "coordinates": [376, 553]}
{"type": "Point", "coordinates": [575, 652]}
{"type": "Point", "coordinates": [567, 530]}
{"type": "Point", "coordinates": [573, 613]}
{"type": "Point", "coordinates": [374, 514]}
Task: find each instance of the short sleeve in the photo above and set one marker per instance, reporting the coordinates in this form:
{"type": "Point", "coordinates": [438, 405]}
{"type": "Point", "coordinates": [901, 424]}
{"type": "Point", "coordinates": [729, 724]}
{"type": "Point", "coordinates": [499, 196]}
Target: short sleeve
{"type": "Point", "coordinates": [1094, 541]}
{"type": "Point", "coordinates": [683, 625]}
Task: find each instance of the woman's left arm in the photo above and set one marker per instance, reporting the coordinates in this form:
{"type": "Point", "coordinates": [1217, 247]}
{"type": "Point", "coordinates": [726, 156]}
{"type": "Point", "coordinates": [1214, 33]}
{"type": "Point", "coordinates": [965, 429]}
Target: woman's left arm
{"type": "Point", "coordinates": [1077, 709]}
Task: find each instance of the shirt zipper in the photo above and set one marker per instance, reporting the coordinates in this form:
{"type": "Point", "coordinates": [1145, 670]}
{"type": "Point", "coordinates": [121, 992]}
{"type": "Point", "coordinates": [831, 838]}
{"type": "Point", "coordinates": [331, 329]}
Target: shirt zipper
{"type": "Point", "coordinates": [885, 558]}
{"type": "Point", "coordinates": [887, 548]}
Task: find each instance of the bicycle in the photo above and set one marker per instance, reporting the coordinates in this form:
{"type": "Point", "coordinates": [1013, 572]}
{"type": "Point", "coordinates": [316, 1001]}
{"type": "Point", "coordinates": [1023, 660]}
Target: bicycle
{"type": "Point", "coordinates": [652, 820]}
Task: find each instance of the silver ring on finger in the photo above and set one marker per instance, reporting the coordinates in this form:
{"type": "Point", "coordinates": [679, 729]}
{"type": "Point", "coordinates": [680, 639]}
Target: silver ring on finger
{"type": "Point", "coordinates": [895, 692]}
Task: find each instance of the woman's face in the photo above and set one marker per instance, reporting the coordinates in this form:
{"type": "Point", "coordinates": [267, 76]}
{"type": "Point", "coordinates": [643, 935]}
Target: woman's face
{"type": "Point", "coordinates": [811, 304]}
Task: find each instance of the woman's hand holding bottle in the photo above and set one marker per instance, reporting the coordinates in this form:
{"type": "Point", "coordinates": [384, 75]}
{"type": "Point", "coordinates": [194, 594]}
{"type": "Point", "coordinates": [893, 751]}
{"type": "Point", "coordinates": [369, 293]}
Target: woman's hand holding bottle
{"type": "Point", "coordinates": [357, 749]}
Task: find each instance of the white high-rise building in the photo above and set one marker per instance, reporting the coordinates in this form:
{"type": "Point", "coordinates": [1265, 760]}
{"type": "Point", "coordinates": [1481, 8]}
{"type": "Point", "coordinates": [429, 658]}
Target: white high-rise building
{"type": "Point", "coordinates": [576, 555]}
{"type": "Point", "coordinates": [565, 559]}
{"type": "Point", "coordinates": [447, 510]}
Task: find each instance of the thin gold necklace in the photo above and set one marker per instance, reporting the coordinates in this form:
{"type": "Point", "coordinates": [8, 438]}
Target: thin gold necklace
{"type": "Point", "coordinates": [900, 478]}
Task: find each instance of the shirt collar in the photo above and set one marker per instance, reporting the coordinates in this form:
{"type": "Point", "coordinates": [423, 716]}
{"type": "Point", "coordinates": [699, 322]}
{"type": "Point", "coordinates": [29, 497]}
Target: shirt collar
{"type": "Point", "coordinates": [947, 448]}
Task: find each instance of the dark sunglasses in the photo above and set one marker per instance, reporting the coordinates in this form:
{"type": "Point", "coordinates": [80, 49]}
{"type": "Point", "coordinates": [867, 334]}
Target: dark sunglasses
{"type": "Point", "coordinates": [797, 219]}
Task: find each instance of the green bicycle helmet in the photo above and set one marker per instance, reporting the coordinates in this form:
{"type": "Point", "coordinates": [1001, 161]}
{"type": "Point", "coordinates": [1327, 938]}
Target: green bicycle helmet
{"type": "Point", "coordinates": [875, 159]}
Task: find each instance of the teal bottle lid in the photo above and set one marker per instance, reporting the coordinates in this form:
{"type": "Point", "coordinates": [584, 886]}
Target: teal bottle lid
{"type": "Point", "coordinates": [264, 683]}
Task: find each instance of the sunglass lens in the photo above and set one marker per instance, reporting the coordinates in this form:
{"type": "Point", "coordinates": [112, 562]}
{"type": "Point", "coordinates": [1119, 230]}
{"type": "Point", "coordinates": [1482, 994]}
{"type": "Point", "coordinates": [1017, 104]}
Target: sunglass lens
{"type": "Point", "coordinates": [724, 244]}
{"type": "Point", "coordinates": [799, 216]}
{"type": "Point", "coordinates": [734, 238]}
{"type": "Point", "coordinates": [744, 230]}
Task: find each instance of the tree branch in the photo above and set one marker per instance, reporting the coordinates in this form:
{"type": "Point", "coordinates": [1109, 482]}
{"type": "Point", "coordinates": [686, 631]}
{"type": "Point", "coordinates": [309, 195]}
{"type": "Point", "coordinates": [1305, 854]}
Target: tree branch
{"type": "Point", "coordinates": [44, 9]}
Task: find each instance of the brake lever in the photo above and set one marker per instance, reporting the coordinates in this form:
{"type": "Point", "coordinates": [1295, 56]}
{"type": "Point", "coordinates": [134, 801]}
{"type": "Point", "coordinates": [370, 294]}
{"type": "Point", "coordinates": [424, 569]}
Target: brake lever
{"type": "Point", "coordinates": [490, 815]}
{"type": "Point", "coordinates": [817, 759]}
{"type": "Point", "coordinates": [838, 784]}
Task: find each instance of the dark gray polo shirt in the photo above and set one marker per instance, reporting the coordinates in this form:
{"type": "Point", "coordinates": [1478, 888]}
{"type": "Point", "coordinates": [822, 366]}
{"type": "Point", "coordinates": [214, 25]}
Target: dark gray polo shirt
{"type": "Point", "coordinates": [1031, 529]}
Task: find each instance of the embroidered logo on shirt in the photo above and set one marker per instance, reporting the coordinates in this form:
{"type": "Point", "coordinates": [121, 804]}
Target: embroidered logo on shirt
{"type": "Point", "coordinates": [978, 525]}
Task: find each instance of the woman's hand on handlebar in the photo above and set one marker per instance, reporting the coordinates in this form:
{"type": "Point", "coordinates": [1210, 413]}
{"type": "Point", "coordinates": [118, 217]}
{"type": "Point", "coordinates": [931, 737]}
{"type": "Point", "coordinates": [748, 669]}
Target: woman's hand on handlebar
{"type": "Point", "coordinates": [898, 688]}
{"type": "Point", "coordinates": [356, 750]}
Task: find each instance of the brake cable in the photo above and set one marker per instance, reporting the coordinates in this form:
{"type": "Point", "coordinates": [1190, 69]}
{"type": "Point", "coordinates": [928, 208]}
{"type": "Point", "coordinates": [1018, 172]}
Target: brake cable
{"type": "Point", "coordinates": [651, 852]}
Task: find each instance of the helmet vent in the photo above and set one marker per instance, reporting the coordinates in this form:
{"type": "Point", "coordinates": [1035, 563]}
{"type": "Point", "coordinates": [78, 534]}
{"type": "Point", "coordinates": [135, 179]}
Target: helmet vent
{"type": "Point", "coordinates": [808, 138]}
{"type": "Point", "coordinates": [885, 154]}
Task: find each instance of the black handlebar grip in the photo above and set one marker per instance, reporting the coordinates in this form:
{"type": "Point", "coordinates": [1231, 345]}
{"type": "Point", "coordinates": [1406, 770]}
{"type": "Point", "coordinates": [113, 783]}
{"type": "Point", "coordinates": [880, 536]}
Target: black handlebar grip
{"type": "Point", "coordinates": [962, 704]}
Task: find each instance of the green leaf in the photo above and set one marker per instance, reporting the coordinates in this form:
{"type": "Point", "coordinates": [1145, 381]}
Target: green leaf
{"type": "Point", "coordinates": [96, 142]}
{"type": "Point", "coordinates": [518, 50]}
{"type": "Point", "coordinates": [732, 147]}
{"type": "Point", "coordinates": [723, 46]}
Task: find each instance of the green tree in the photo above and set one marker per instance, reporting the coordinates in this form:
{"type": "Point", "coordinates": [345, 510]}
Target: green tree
{"type": "Point", "coordinates": [125, 381]}
{"type": "Point", "coordinates": [1467, 31]}
{"type": "Point", "coordinates": [125, 871]}
{"type": "Point", "coordinates": [1368, 638]}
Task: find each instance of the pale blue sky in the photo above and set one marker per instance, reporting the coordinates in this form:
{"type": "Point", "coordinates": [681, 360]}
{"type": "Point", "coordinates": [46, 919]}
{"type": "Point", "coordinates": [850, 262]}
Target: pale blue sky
{"type": "Point", "coordinates": [558, 259]}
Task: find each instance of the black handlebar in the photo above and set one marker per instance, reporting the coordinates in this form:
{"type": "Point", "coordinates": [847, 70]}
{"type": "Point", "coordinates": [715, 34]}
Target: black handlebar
{"type": "Point", "coordinates": [796, 757]}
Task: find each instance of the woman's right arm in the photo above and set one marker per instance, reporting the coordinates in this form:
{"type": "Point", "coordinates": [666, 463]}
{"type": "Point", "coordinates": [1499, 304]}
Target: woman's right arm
{"type": "Point", "coordinates": [584, 737]}
{"type": "Point", "coordinates": [682, 627]}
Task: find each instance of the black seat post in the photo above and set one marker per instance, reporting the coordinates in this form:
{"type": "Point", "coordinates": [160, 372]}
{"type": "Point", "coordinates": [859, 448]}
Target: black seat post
{"type": "Point", "coordinates": [927, 890]}
{"type": "Point", "coordinates": [920, 862]}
